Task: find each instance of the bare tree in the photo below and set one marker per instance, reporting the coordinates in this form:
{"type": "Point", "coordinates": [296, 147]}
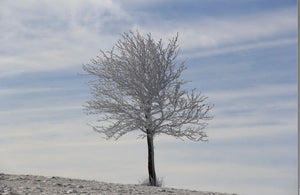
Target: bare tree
{"type": "Point", "coordinates": [139, 88]}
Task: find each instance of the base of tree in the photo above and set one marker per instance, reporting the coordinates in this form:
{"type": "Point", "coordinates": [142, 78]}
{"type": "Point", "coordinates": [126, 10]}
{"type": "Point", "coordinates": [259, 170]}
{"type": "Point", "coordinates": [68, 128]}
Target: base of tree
{"type": "Point", "coordinates": [146, 182]}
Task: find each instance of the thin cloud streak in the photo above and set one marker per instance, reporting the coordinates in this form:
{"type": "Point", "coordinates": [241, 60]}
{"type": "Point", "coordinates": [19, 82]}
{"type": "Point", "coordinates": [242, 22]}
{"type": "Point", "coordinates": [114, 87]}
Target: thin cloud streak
{"type": "Point", "coordinates": [254, 92]}
{"type": "Point", "coordinates": [11, 91]}
{"type": "Point", "coordinates": [238, 48]}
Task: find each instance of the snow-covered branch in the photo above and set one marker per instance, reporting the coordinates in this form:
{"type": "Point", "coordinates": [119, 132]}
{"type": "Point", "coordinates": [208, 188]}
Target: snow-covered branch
{"type": "Point", "coordinates": [137, 86]}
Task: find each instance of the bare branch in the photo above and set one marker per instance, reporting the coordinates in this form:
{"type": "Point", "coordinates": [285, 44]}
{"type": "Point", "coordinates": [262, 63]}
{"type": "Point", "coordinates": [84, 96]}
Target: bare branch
{"type": "Point", "coordinates": [137, 86]}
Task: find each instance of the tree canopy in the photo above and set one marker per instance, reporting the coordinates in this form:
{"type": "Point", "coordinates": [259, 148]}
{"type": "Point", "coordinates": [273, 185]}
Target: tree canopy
{"type": "Point", "coordinates": [138, 87]}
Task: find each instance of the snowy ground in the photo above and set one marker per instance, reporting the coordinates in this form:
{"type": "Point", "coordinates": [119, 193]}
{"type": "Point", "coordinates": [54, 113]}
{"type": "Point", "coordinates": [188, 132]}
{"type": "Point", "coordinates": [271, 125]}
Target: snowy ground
{"type": "Point", "coordinates": [29, 184]}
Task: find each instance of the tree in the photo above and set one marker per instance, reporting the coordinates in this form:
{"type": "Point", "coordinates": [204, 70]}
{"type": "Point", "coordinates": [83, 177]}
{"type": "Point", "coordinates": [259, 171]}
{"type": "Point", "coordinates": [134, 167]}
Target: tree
{"type": "Point", "coordinates": [138, 87]}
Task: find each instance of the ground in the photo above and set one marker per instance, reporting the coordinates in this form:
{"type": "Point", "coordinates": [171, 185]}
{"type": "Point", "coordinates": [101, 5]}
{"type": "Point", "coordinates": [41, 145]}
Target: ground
{"type": "Point", "coordinates": [40, 185]}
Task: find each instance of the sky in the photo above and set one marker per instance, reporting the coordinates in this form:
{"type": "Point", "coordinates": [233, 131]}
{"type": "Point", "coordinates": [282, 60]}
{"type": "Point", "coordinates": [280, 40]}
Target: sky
{"type": "Point", "coordinates": [241, 54]}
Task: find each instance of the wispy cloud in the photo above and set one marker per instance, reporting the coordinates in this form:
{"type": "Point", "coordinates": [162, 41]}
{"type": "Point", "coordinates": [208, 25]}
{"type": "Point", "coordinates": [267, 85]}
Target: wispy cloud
{"type": "Point", "coordinates": [73, 35]}
{"type": "Point", "coordinates": [218, 32]}
{"type": "Point", "coordinates": [254, 112]}
{"type": "Point", "coordinates": [239, 48]}
{"type": "Point", "coordinates": [255, 92]}
{"type": "Point", "coordinates": [15, 91]}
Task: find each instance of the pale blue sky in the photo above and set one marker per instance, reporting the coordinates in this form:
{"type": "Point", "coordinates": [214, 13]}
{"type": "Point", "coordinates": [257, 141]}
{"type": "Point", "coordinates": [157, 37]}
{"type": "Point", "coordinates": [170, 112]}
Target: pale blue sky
{"type": "Point", "coordinates": [242, 54]}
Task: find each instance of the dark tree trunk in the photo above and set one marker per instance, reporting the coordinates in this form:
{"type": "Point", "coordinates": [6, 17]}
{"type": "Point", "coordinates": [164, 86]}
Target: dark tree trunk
{"type": "Point", "coordinates": [151, 167]}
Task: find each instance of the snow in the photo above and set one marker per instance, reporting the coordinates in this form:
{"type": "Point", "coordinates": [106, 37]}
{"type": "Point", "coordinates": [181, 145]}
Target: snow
{"type": "Point", "coordinates": [30, 184]}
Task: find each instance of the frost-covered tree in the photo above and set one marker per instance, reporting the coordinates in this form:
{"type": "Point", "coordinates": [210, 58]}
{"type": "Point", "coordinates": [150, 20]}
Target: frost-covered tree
{"type": "Point", "coordinates": [137, 86]}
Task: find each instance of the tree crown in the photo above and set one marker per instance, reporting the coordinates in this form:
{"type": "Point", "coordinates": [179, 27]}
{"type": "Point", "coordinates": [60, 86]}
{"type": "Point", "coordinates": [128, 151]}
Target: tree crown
{"type": "Point", "coordinates": [138, 87]}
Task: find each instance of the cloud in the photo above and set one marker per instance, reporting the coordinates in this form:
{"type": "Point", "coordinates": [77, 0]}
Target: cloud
{"type": "Point", "coordinates": [239, 48]}
{"type": "Point", "coordinates": [43, 36]}
{"type": "Point", "coordinates": [212, 33]}
{"type": "Point", "coordinates": [254, 112]}
{"type": "Point", "coordinates": [255, 92]}
{"type": "Point", "coordinates": [15, 91]}
{"type": "Point", "coordinates": [55, 35]}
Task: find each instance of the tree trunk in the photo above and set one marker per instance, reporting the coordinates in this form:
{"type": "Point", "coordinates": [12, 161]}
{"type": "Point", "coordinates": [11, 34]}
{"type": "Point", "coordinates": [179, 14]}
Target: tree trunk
{"type": "Point", "coordinates": [151, 168]}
